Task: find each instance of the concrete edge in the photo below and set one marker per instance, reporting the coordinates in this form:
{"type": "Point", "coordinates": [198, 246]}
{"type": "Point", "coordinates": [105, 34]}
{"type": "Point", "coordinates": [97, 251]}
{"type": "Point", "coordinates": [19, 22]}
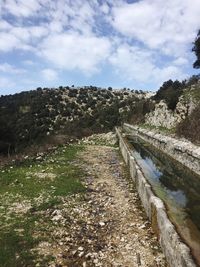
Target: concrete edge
{"type": "Point", "coordinates": [177, 253]}
{"type": "Point", "coordinates": [181, 151]}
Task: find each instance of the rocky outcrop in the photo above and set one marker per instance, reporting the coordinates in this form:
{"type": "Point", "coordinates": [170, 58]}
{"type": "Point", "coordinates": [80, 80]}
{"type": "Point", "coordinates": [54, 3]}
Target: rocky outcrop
{"type": "Point", "coordinates": [164, 117]}
{"type": "Point", "coordinates": [161, 116]}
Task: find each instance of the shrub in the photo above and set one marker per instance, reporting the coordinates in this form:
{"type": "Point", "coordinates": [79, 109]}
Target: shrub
{"type": "Point", "coordinates": [190, 127]}
{"type": "Point", "coordinates": [170, 92]}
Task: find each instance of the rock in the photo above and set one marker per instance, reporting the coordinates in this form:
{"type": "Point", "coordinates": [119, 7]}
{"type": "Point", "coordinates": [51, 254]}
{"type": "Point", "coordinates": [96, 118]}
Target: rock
{"type": "Point", "coordinates": [142, 226]}
{"type": "Point", "coordinates": [81, 254]}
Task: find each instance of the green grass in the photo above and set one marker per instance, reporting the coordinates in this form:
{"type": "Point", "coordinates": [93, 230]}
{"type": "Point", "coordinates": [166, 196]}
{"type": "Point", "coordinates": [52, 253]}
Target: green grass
{"type": "Point", "coordinates": [25, 181]}
{"type": "Point", "coordinates": [41, 185]}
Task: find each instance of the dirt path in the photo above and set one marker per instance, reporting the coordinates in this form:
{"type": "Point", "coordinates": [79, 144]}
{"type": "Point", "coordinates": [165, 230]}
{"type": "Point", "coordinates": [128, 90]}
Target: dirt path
{"type": "Point", "coordinates": [120, 234]}
{"type": "Point", "coordinates": [86, 213]}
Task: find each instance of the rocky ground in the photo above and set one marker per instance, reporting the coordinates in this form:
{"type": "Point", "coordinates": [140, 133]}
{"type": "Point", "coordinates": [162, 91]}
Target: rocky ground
{"type": "Point", "coordinates": [125, 236]}
{"type": "Point", "coordinates": [111, 228]}
{"type": "Point", "coordinates": [103, 226]}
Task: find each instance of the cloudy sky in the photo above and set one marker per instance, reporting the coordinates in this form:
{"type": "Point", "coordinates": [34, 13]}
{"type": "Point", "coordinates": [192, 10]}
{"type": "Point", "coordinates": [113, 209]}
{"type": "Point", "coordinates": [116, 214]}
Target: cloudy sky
{"type": "Point", "coordinates": [118, 43]}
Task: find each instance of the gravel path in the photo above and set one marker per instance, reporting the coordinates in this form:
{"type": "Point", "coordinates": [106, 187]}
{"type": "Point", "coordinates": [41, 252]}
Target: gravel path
{"type": "Point", "coordinates": [117, 232]}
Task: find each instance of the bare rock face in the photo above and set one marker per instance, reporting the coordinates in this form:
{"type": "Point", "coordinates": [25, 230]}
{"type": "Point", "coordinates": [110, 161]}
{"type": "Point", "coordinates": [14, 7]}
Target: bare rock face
{"type": "Point", "coordinates": [161, 116]}
{"type": "Point", "coordinates": [164, 117]}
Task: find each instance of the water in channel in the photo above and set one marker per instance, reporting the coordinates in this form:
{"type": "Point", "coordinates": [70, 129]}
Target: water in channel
{"type": "Point", "coordinates": [177, 186]}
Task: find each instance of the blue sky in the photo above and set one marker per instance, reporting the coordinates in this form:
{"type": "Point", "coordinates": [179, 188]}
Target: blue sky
{"type": "Point", "coordinates": [123, 43]}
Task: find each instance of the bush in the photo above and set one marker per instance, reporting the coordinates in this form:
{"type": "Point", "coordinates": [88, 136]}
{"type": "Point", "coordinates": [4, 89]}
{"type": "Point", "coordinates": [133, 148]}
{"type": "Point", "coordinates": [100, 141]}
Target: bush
{"type": "Point", "coordinates": [170, 92]}
{"type": "Point", "coordinates": [140, 109]}
{"type": "Point", "coordinates": [190, 127]}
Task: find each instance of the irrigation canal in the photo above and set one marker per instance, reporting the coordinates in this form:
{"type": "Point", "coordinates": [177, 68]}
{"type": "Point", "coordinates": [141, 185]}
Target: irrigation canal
{"type": "Point", "coordinates": [177, 186]}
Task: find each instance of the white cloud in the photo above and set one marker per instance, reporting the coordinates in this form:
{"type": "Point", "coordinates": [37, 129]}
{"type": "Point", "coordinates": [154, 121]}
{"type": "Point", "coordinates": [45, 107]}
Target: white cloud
{"type": "Point", "coordinates": [29, 28]}
{"type": "Point", "coordinates": [8, 42]}
{"type": "Point", "coordinates": [180, 61]}
{"type": "Point", "coordinates": [168, 72]}
{"type": "Point", "coordinates": [132, 63]}
{"type": "Point", "coordinates": [147, 41]}
{"type": "Point", "coordinates": [64, 14]}
{"type": "Point", "coordinates": [29, 34]}
{"type": "Point", "coordinates": [168, 26]}
{"type": "Point", "coordinates": [139, 65]}
{"type": "Point", "coordinates": [4, 25]}
{"type": "Point", "coordinates": [105, 8]}
{"type": "Point", "coordinates": [74, 51]}
{"type": "Point", "coordinates": [49, 74]}
{"type": "Point", "coordinates": [21, 38]}
{"type": "Point", "coordinates": [7, 68]}
{"type": "Point", "coordinates": [20, 8]}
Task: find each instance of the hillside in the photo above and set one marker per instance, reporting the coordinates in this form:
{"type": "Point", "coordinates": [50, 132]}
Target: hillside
{"type": "Point", "coordinates": [177, 109]}
{"type": "Point", "coordinates": [56, 115]}
{"type": "Point", "coordinates": [31, 117]}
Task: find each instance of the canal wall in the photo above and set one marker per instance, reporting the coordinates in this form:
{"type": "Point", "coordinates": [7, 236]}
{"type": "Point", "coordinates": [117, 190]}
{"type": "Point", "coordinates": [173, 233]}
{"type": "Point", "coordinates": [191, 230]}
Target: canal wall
{"type": "Point", "coordinates": [182, 151]}
{"type": "Point", "coordinates": [176, 252]}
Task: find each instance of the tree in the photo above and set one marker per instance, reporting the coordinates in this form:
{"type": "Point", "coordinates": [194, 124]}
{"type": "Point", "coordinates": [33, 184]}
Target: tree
{"type": "Point", "coordinates": [196, 50]}
{"type": "Point", "coordinates": [170, 92]}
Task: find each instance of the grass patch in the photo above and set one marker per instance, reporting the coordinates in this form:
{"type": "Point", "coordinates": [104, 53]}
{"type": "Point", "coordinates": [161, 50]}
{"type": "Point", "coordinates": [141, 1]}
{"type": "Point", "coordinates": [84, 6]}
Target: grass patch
{"type": "Point", "coordinates": [55, 170]}
{"type": "Point", "coordinates": [25, 192]}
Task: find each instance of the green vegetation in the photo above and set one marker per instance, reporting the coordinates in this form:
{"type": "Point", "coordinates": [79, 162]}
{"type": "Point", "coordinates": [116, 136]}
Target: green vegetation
{"type": "Point", "coordinates": [170, 92]}
{"type": "Point", "coordinates": [27, 192]}
{"type": "Point", "coordinates": [196, 50]}
{"type": "Point", "coordinates": [192, 94]}
{"type": "Point", "coordinates": [190, 126]}
{"type": "Point", "coordinates": [37, 116]}
{"type": "Point", "coordinates": [189, 90]}
{"type": "Point", "coordinates": [139, 110]}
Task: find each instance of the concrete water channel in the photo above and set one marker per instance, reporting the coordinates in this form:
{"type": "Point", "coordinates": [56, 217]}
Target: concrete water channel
{"type": "Point", "coordinates": [176, 185]}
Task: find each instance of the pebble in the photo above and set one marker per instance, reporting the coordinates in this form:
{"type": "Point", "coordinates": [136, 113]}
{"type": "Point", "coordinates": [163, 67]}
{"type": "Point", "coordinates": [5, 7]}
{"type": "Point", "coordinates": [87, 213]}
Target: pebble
{"type": "Point", "coordinates": [101, 223]}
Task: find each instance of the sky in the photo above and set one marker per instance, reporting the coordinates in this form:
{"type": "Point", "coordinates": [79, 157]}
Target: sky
{"type": "Point", "coordinates": [117, 43]}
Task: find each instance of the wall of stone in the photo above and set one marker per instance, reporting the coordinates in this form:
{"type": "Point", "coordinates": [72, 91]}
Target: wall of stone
{"type": "Point", "coordinates": [183, 151]}
{"type": "Point", "coordinates": [176, 252]}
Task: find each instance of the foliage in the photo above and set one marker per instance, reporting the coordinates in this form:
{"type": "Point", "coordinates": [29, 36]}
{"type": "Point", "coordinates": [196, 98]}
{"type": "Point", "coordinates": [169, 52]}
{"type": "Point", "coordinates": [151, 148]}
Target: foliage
{"type": "Point", "coordinates": [194, 79]}
{"type": "Point", "coordinates": [140, 109]}
{"type": "Point", "coordinates": [196, 50]}
{"type": "Point", "coordinates": [190, 126]}
{"type": "Point", "coordinates": [29, 118]}
{"type": "Point", "coordinates": [170, 92]}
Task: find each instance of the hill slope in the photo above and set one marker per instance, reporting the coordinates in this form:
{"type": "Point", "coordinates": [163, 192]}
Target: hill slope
{"type": "Point", "coordinates": [177, 109]}
{"type": "Point", "coordinates": [30, 117]}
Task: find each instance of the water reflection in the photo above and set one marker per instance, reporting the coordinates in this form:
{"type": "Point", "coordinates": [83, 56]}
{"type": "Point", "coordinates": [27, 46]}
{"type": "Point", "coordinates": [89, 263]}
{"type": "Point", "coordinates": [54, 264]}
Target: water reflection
{"type": "Point", "coordinates": [176, 185]}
